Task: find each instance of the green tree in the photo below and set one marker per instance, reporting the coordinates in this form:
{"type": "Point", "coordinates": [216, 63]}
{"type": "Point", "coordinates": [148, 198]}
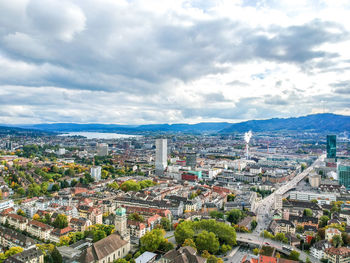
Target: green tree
{"type": "Point", "coordinates": [207, 241]}
{"type": "Point", "coordinates": [146, 184]}
{"type": "Point", "coordinates": [98, 235]}
{"type": "Point", "coordinates": [337, 241]}
{"type": "Point", "coordinates": [21, 212]}
{"type": "Point", "coordinates": [165, 223]}
{"type": "Point", "coordinates": [60, 221]}
{"type": "Point", "coordinates": [113, 185]}
{"type": "Point", "coordinates": [294, 255]}
{"type": "Point", "coordinates": [253, 224]}
{"type": "Point", "coordinates": [184, 231]}
{"type": "Point", "coordinates": [136, 217]}
{"type": "Point", "coordinates": [34, 190]}
{"type": "Point", "coordinates": [256, 251]}
{"type": "Point", "coordinates": [216, 214]}
{"type": "Point", "coordinates": [20, 191]}
{"type": "Point", "coordinates": [231, 198]}
{"type": "Point", "coordinates": [323, 221]}
{"type": "Point", "coordinates": [130, 185]}
{"type": "Point", "coordinates": [55, 187]}
{"type": "Point", "coordinates": [281, 237]}
{"type": "Point", "coordinates": [307, 212]}
{"type": "Point", "coordinates": [152, 240]}
{"type": "Point", "coordinates": [234, 216]}
{"type": "Point", "coordinates": [300, 229]}
{"type": "Point", "coordinates": [189, 242]}
{"type": "Point", "coordinates": [56, 256]}
{"type": "Point", "coordinates": [308, 260]}
{"type": "Point", "coordinates": [121, 260]}
{"type": "Point", "coordinates": [43, 187]}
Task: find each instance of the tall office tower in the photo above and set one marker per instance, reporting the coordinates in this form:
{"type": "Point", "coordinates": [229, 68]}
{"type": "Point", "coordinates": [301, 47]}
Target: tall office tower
{"type": "Point", "coordinates": [331, 146]}
{"type": "Point", "coordinates": [191, 160]}
{"type": "Point", "coordinates": [161, 156]}
{"type": "Point", "coordinates": [9, 145]}
{"type": "Point", "coordinates": [96, 173]}
{"type": "Point", "coordinates": [344, 174]}
{"type": "Point", "coordinates": [278, 204]}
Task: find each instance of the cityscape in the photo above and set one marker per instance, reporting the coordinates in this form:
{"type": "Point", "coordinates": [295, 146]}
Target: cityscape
{"type": "Point", "coordinates": [187, 131]}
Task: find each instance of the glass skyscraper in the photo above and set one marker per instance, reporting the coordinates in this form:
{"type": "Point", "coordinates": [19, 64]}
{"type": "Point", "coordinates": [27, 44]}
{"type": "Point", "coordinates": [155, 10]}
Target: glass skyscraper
{"type": "Point", "coordinates": [331, 146]}
{"type": "Point", "coordinates": [344, 175]}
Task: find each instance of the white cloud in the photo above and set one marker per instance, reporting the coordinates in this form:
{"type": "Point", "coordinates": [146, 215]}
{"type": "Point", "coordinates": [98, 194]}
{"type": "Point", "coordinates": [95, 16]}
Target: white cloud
{"type": "Point", "coordinates": [171, 61]}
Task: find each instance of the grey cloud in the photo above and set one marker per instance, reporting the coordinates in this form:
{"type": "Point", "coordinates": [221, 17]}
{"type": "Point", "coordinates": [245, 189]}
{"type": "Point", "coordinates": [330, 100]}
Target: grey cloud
{"type": "Point", "coordinates": [105, 55]}
{"type": "Point", "coordinates": [341, 87]}
{"type": "Point", "coordinates": [237, 83]}
{"type": "Point", "coordinates": [276, 100]}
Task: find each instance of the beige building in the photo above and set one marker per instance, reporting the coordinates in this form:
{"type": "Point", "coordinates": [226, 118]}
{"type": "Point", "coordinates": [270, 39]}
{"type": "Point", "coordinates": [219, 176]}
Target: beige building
{"type": "Point", "coordinates": [39, 229]}
{"type": "Point", "coordinates": [32, 255]}
{"type": "Point", "coordinates": [17, 221]}
{"type": "Point", "coordinates": [331, 232]}
{"type": "Point", "coordinates": [337, 255]}
{"type": "Point", "coordinates": [106, 250]}
{"type": "Point", "coordinates": [282, 226]}
{"type": "Point", "coordinates": [315, 180]}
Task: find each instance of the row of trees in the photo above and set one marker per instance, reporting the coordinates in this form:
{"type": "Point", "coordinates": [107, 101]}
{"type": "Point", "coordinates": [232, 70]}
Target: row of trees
{"type": "Point", "coordinates": [132, 185]}
{"type": "Point", "coordinates": [281, 237]}
{"type": "Point", "coordinates": [233, 216]}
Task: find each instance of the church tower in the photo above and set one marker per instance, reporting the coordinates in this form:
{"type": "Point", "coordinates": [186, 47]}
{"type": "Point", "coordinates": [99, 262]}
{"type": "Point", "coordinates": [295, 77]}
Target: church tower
{"type": "Point", "coordinates": [120, 223]}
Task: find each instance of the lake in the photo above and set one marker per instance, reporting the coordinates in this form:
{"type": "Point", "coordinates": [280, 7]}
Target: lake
{"type": "Point", "coordinates": [100, 135]}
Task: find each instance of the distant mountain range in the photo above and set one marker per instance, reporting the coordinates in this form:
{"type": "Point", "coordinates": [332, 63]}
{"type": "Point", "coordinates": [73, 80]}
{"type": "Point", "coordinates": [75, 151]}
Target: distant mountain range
{"type": "Point", "coordinates": [326, 122]}
{"type": "Point", "coordinates": [5, 130]}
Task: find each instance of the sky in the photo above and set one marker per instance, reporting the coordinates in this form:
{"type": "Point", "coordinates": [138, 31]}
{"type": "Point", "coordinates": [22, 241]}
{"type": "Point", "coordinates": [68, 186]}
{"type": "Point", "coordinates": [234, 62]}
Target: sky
{"type": "Point", "coordinates": [151, 61]}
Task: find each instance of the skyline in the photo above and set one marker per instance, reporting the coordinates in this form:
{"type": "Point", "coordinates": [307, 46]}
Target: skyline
{"type": "Point", "coordinates": [132, 62]}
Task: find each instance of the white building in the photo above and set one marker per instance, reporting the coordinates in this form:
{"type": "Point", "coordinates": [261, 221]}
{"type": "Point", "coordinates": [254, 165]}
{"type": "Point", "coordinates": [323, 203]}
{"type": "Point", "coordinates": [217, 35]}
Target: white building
{"type": "Point", "coordinates": [6, 204]}
{"type": "Point", "coordinates": [278, 203]}
{"type": "Point", "coordinates": [161, 156]}
{"type": "Point", "coordinates": [102, 149]}
{"type": "Point", "coordinates": [61, 151]}
{"type": "Point", "coordinates": [96, 173]}
{"type": "Point", "coordinates": [317, 250]}
{"type": "Point", "coordinates": [322, 198]}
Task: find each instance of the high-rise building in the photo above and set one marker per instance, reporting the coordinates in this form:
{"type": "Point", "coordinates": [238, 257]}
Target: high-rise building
{"type": "Point", "coordinates": [61, 151]}
{"type": "Point", "coordinates": [344, 174]}
{"type": "Point", "coordinates": [278, 204]}
{"type": "Point", "coordinates": [9, 146]}
{"type": "Point", "coordinates": [315, 180]}
{"type": "Point", "coordinates": [161, 156]}
{"type": "Point", "coordinates": [96, 173]}
{"type": "Point", "coordinates": [191, 160]}
{"type": "Point", "coordinates": [102, 149]}
{"type": "Point", "coordinates": [331, 146]}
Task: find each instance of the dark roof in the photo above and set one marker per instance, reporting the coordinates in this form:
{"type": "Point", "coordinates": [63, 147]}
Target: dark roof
{"type": "Point", "coordinates": [301, 204]}
{"type": "Point", "coordinates": [25, 256]}
{"type": "Point", "coordinates": [321, 245]}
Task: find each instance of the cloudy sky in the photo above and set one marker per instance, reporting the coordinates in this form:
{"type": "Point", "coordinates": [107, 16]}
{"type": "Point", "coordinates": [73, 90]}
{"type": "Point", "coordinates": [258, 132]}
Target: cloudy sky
{"type": "Point", "coordinates": [152, 61]}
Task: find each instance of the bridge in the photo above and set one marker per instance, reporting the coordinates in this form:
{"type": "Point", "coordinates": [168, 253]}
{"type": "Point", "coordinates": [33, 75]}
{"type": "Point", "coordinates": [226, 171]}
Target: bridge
{"type": "Point", "coordinates": [257, 241]}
